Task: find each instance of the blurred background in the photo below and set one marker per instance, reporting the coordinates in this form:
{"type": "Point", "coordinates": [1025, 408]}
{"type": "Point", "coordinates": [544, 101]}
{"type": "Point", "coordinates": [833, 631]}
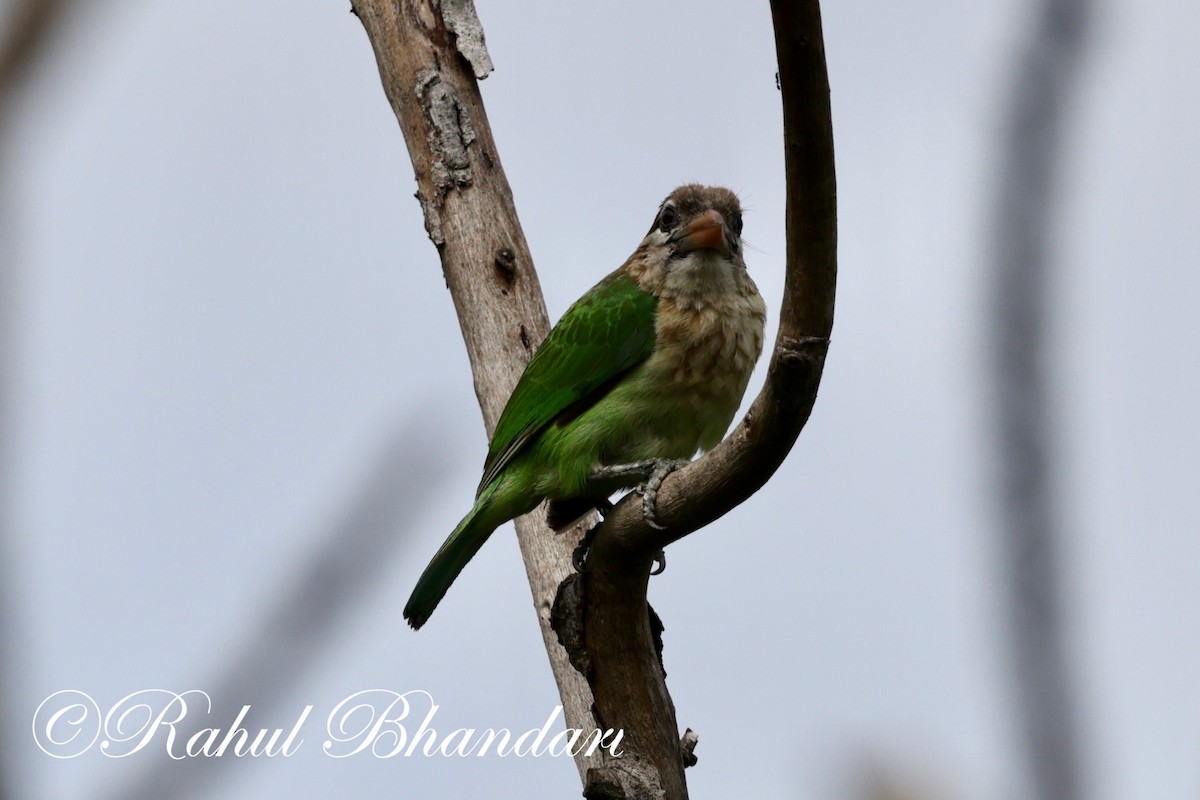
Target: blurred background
{"type": "Point", "coordinates": [238, 418]}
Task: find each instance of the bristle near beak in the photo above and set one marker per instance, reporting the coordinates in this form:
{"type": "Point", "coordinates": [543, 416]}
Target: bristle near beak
{"type": "Point", "coordinates": [705, 232]}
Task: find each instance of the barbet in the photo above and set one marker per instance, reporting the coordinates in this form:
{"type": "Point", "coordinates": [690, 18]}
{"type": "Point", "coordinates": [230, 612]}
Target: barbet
{"type": "Point", "coordinates": [642, 372]}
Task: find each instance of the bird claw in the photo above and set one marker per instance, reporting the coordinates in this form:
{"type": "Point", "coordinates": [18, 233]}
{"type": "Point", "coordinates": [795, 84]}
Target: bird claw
{"type": "Point", "coordinates": [580, 554]}
{"type": "Point", "coordinates": [660, 563]}
{"type": "Point", "coordinates": [652, 472]}
{"type": "Point", "coordinates": [649, 490]}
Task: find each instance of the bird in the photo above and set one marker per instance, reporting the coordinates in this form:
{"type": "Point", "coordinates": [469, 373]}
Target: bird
{"type": "Point", "coordinates": [641, 373]}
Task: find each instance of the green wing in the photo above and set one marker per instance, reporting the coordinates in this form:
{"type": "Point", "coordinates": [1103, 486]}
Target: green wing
{"type": "Point", "coordinates": [604, 334]}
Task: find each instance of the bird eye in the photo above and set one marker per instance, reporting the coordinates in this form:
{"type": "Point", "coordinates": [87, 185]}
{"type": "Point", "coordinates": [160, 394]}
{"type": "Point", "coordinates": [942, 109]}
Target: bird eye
{"type": "Point", "coordinates": [737, 224]}
{"type": "Point", "coordinates": [668, 219]}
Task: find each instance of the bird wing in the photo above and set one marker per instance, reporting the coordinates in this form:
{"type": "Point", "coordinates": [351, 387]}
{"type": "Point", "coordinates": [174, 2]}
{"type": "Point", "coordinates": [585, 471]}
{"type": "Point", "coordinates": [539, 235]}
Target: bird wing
{"type": "Point", "coordinates": [604, 334]}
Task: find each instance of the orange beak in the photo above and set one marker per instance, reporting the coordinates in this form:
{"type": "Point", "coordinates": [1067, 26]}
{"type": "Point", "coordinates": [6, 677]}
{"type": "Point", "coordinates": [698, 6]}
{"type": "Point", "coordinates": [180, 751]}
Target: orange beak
{"type": "Point", "coordinates": [705, 232]}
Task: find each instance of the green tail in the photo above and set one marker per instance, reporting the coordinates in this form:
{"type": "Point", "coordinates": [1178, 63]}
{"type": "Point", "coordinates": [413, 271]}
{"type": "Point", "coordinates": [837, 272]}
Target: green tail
{"type": "Point", "coordinates": [459, 548]}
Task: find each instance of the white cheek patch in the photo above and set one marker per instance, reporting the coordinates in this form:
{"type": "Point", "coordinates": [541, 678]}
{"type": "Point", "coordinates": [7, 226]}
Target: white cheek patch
{"type": "Point", "coordinates": [656, 238]}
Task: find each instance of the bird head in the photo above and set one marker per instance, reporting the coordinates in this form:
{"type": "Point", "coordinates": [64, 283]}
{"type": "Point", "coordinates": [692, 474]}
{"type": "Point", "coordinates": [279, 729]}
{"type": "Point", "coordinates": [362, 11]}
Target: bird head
{"type": "Point", "coordinates": [695, 217]}
{"type": "Point", "coordinates": [696, 236]}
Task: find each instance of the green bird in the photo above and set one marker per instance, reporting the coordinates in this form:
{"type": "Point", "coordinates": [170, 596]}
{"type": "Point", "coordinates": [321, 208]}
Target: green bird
{"type": "Point", "coordinates": [642, 372]}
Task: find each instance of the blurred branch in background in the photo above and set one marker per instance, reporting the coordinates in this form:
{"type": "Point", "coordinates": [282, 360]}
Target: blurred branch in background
{"type": "Point", "coordinates": [1043, 82]}
{"type": "Point", "coordinates": [346, 563]}
{"type": "Point", "coordinates": [26, 28]}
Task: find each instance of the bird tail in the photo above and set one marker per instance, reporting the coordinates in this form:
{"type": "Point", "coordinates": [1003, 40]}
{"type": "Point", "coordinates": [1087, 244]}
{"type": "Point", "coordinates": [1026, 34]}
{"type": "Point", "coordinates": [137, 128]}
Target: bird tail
{"type": "Point", "coordinates": [459, 547]}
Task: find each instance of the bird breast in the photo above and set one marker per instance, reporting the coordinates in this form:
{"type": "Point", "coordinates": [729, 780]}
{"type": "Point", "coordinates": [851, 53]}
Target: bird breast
{"type": "Point", "coordinates": [709, 334]}
{"type": "Point", "coordinates": [710, 346]}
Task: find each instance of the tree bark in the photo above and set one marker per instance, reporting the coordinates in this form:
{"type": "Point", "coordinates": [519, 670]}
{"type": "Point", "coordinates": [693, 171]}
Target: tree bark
{"type": "Point", "coordinates": [470, 218]}
{"type": "Point", "coordinates": [610, 636]}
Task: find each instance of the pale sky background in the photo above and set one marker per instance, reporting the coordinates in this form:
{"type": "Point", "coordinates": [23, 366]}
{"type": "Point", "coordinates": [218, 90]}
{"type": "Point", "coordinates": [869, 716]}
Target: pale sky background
{"type": "Point", "coordinates": [228, 307]}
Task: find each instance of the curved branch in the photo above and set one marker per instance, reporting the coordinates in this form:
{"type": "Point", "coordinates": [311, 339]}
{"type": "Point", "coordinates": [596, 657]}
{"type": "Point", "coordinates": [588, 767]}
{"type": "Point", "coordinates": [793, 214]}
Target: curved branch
{"type": "Point", "coordinates": [619, 633]}
{"type": "Point", "coordinates": [706, 489]}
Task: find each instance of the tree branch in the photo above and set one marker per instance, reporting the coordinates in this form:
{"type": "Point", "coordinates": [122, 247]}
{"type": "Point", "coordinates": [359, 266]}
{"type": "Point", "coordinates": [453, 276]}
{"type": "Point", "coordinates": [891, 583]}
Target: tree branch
{"type": "Point", "coordinates": [706, 489]}
{"type": "Point", "coordinates": [619, 637]}
{"type": "Point", "coordinates": [609, 631]}
{"type": "Point", "coordinates": [470, 218]}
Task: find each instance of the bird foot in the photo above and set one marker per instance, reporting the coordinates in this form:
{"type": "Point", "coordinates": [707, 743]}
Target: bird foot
{"type": "Point", "coordinates": [649, 492]}
{"type": "Point", "coordinates": [631, 474]}
{"type": "Point", "coordinates": [580, 553]}
{"type": "Point", "coordinates": [652, 472]}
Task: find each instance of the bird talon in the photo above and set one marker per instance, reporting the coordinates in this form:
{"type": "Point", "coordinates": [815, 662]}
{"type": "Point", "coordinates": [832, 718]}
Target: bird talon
{"type": "Point", "coordinates": [660, 563]}
{"type": "Point", "coordinates": [654, 523]}
{"type": "Point", "coordinates": [649, 490]}
{"type": "Point", "coordinates": [580, 554]}
{"type": "Point", "coordinates": [579, 557]}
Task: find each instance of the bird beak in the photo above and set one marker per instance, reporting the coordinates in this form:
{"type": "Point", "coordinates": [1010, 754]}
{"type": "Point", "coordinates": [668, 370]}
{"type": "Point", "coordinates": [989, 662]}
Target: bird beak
{"type": "Point", "coordinates": [706, 231]}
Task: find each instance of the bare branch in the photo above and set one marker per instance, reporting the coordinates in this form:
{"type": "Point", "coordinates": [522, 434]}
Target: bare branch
{"type": "Point", "coordinates": [739, 466]}
{"type": "Point", "coordinates": [618, 633]}
{"type": "Point", "coordinates": [470, 218]}
{"type": "Point", "coordinates": [1020, 264]}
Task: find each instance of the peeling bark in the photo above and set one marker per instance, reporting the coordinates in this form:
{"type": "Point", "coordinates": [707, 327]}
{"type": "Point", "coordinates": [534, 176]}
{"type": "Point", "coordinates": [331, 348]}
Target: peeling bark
{"type": "Point", "coordinates": [468, 210]}
{"type": "Point", "coordinates": [461, 18]}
